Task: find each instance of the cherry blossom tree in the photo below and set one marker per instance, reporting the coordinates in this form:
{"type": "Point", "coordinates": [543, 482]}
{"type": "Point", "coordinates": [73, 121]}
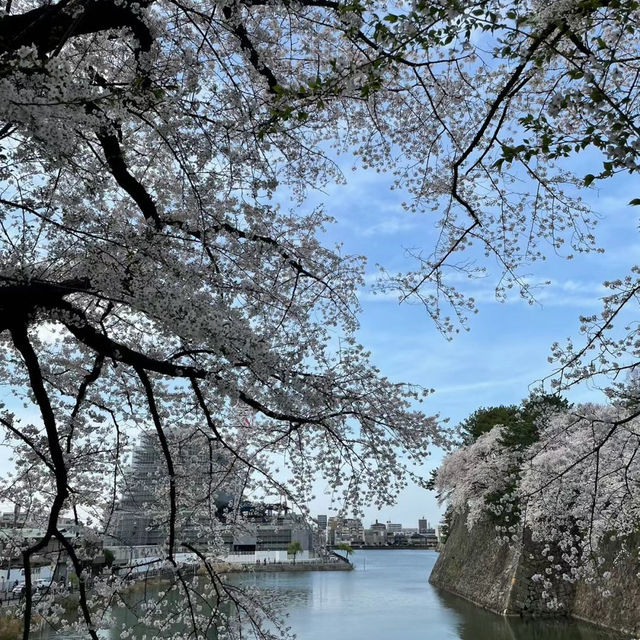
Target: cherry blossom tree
{"type": "Point", "coordinates": [574, 490]}
{"type": "Point", "coordinates": [469, 475]}
{"type": "Point", "coordinates": [533, 86]}
{"type": "Point", "coordinates": [585, 472]}
{"type": "Point", "coordinates": [152, 284]}
{"type": "Point", "coordinates": [152, 276]}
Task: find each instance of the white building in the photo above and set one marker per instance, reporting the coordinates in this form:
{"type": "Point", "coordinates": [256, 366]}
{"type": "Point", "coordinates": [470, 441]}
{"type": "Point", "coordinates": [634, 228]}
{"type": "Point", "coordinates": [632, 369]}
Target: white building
{"type": "Point", "coordinates": [393, 527]}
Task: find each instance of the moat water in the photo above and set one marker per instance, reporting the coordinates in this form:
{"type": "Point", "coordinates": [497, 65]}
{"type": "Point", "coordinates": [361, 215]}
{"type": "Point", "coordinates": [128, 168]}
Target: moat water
{"type": "Point", "coordinates": [388, 597]}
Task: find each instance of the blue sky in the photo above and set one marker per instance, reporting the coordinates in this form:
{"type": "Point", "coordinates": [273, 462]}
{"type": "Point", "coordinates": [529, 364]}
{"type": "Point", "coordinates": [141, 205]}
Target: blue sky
{"type": "Point", "coordinates": [506, 348]}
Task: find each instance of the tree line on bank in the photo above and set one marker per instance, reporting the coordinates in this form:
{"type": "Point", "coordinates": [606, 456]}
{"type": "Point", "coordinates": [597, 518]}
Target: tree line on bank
{"type": "Point", "coordinates": [566, 473]}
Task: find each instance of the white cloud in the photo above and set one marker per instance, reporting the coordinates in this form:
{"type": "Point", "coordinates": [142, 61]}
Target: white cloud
{"type": "Point", "coordinates": [389, 226]}
{"type": "Point", "coordinates": [484, 384]}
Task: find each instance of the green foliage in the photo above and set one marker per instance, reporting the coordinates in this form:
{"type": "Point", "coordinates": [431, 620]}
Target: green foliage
{"type": "Point", "coordinates": [343, 546]}
{"type": "Point", "coordinates": [502, 506]}
{"type": "Point", "coordinates": [430, 484]}
{"type": "Point", "coordinates": [293, 549]}
{"type": "Point", "coordinates": [109, 557]}
{"type": "Point", "coordinates": [524, 430]}
{"type": "Point", "coordinates": [484, 419]}
{"type": "Point", "coordinates": [521, 428]}
{"type": "Point", "coordinates": [520, 421]}
{"type": "Point", "coordinates": [446, 524]}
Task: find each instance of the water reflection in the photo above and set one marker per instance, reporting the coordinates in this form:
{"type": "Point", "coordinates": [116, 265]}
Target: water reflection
{"type": "Point", "coordinates": [387, 596]}
{"type": "Point", "coordinates": [477, 624]}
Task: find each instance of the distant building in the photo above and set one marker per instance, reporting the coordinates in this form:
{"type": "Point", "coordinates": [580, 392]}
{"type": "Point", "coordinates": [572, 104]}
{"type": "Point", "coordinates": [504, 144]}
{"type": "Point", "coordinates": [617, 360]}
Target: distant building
{"type": "Point", "coordinates": [320, 533]}
{"type": "Point", "coordinates": [431, 537]}
{"type": "Point", "coordinates": [375, 537]}
{"type": "Point", "coordinates": [11, 519]}
{"type": "Point", "coordinates": [423, 525]}
{"type": "Point", "coordinates": [393, 527]}
{"type": "Point", "coordinates": [378, 532]}
{"type": "Point", "coordinates": [50, 562]}
{"type": "Point", "coordinates": [379, 526]}
{"type": "Point", "coordinates": [349, 530]}
{"type": "Point", "coordinates": [140, 515]}
{"type": "Point", "coordinates": [270, 527]}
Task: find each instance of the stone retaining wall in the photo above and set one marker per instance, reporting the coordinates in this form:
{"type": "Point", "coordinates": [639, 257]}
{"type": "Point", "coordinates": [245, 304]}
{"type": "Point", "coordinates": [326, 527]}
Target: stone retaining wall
{"type": "Point", "coordinates": [286, 566]}
{"type": "Point", "coordinates": [477, 566]}
{"type": "Point", "coordinates": [621, 610]}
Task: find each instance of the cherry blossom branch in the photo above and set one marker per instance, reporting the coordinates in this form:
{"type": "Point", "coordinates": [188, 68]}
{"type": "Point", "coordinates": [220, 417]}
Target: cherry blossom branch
{"type": "Point", "coordinates": [231, 14]}
{"type": "Point", "coordinates": [166, 452]}
{"type": "Point", "coordinates": [89, 379]}
{"type": "Point", "coordinates": [48, 26]}
{"type": "Point", "coordinates": [118, 168]}
{"type": "Point", "coordinates": [80, 572]}
{"type": "Point", "coordinates": [21, 341]}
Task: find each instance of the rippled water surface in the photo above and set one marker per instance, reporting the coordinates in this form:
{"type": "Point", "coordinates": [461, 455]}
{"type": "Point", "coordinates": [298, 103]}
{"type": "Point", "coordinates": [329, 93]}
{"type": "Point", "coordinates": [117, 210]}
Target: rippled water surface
{"type": "Point", "coordinates": [387, 597]}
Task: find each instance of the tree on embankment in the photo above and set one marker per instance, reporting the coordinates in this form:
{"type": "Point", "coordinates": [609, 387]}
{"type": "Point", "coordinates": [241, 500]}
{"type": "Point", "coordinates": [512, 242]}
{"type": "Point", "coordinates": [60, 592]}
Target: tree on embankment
{"type": "Point", "coordinates": [293, 549]}
{"type": "Point", "coordinates": [347, 548]}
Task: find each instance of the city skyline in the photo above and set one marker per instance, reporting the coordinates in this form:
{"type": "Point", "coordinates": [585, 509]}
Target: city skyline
{"type": "Point", "coordinates": [366, 523]}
